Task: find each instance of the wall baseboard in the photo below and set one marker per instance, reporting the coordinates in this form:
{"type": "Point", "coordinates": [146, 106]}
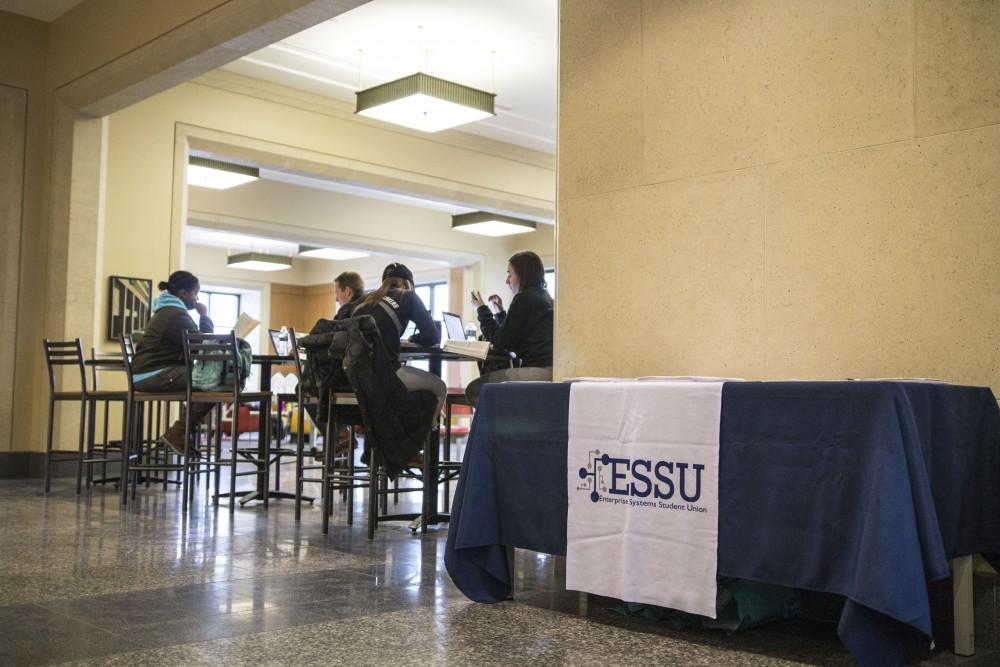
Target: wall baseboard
{"type": "Point", "coordinates": [30, 465]}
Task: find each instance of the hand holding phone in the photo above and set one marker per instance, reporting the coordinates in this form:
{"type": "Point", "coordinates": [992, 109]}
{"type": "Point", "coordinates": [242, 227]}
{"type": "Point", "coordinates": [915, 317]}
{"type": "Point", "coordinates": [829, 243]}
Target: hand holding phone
{"type": "Point", "coordinates": [477, 298]}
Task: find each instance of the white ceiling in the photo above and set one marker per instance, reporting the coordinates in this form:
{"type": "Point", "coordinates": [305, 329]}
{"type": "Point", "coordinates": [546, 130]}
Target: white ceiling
{"type": "Point", "coordinates": [238, 242]}
{"type": "Point", "coordinates": [43, 10]}
{"type": "Point", "coordinates": [451, 39]}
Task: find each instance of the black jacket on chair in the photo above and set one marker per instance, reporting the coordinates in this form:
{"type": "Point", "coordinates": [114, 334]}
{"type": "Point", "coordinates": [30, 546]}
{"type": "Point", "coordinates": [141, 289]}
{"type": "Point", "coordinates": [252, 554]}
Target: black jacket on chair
{"type": "Point", "coordinates": [397, 421]}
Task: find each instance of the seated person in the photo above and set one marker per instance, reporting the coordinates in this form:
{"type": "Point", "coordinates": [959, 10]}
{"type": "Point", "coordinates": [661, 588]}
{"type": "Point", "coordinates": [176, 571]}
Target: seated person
{"type": "Point", "coordinates": [393, 305]}
{"type": "Point", "coordinates": [349, 289]}
{"type": "Point", "coordinates": [159, 355]}
{"type": "Point", "coordinates": [526, 329]}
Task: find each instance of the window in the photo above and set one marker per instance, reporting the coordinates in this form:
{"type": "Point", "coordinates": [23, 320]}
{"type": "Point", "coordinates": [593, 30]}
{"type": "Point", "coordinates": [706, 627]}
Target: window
{"type": "Point", "coordinates": [223, 308]}
{"type": "Point", "coordinates": [550, 282]}
{"type": "Point", "coordinates": [435, 297]}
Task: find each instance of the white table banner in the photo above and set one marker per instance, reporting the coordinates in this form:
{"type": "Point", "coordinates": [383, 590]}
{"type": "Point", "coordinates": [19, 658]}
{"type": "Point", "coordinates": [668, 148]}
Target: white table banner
{"type": "Point", "coordinates": [643, 472]}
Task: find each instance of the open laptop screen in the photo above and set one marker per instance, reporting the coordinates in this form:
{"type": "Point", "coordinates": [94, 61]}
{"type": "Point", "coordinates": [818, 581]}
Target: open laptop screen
{"type": "Point", "coordinates": [453, 326]}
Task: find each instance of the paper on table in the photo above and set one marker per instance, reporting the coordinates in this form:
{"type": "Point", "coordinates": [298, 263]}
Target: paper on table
{"type": "Point", "coordinates": [245, 326]}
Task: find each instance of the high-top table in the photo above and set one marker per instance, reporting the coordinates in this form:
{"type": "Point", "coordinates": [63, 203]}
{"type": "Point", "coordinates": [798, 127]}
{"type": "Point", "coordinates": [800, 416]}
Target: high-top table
{"type": "Point", "coordinates": [862, 489]}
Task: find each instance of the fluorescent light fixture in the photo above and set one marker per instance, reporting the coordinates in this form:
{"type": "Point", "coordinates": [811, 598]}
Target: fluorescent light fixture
{"type": "Point", "coordinates": [258, 261]}
{"type": "Point", "coordinates": [490, 224]}
{"type": "Point", "coordinates": [424, 102]}
{"type": "Point", "coordinates": [329, 253]}
{"type": "Point", "coordinates": [218, 175]}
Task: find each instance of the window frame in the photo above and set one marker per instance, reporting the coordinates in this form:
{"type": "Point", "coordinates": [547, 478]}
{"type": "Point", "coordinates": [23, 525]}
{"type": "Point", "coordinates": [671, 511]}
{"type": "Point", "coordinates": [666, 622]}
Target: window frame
{"type": "Point", "coordinates": [208, 304]}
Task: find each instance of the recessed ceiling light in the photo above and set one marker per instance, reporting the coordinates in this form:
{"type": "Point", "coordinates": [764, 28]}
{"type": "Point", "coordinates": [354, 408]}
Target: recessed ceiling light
{"type": "Point", "coordinates": [424, 102]}
{"type": "Point", "coordinates": [491, 224]}
{"type": "Point", "coordinates": [330, 253]}
{"type": "Point", "coordinates": [258, 261]}
{"type": "Point", "coordinates": [218, 175]}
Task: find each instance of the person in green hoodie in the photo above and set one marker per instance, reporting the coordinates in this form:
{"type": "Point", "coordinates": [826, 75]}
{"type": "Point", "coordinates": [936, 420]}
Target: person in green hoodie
{"type": "Point", "coordinates": [159, 355]}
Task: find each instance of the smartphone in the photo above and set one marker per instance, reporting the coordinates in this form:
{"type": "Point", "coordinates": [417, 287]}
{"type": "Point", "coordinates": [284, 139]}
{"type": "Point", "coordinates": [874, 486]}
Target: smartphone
{"type": "Point", "coordinates": [473, 293]}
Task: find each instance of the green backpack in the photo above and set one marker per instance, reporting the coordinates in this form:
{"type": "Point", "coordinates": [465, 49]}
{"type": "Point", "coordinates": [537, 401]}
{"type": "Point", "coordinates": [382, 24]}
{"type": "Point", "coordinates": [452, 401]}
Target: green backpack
{"type": "Point", "coordinates": [218, 376]}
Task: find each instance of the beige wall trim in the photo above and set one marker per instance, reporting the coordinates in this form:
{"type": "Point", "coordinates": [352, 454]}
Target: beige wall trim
{"type": "Point", "coordinates": [207, 41]}
{"type": "Point", "coordinates": [334, 108]}
{"type": "Point", "coordinates": [13, 127]}
{"type": "Point", "coordinates": [307, 161]}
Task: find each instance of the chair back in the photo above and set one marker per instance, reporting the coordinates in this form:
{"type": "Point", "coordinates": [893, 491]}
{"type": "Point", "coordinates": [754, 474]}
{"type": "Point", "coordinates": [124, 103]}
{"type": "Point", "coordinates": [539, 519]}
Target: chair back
{"type": "Point", "coordinates": [64, 353]}
{"type": "Point", "coordinates": [297, 353]}
{"type": "Point", "coordinates": [128, 356]}
{"type": "Point", "coordinates": [205, 347]}
{"type": "Point", "coordinates": [107, 365]}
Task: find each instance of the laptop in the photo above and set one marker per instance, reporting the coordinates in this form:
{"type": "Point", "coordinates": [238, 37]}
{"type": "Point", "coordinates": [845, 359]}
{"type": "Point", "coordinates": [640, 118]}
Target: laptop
{"type": "Point", "coordinates": [453, 326]}
{"type": "Point", "coordinates": [275, 335]}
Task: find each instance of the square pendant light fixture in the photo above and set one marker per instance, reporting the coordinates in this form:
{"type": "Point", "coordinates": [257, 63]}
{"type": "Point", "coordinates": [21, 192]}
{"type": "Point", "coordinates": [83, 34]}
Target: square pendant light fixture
{"type": "Point", "coordinates": [490, 224]}
{"type": "Point", "coordinates": [258, 261]}
{"type": "Point", "coordinates": [424, 102]}
{"type": "Point", "coordinates": [330, 253]}
{"type": "Point", "coordinates": [218, 175]}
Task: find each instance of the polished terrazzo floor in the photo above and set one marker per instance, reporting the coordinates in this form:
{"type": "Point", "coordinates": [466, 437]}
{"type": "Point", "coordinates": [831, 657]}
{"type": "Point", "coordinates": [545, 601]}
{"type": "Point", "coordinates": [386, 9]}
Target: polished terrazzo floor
{"type": "Point", "coordinates": [84, 583]}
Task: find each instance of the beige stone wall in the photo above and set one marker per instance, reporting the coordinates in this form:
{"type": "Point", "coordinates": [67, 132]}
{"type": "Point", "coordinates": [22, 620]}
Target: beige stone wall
{"type": "Point", "coordinates": [23, 141]}
{"type": "Point", "coordinates": [780, 189]}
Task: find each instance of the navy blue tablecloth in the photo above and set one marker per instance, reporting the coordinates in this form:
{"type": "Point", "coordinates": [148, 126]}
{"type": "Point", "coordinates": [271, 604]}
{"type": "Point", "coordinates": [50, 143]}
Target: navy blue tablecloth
{"type": "Point", "coordinates": [863, 489]}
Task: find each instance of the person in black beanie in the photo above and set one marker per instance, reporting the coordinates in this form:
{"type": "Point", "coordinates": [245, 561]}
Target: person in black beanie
{"type": "Point", "coordinates": [393, 306]}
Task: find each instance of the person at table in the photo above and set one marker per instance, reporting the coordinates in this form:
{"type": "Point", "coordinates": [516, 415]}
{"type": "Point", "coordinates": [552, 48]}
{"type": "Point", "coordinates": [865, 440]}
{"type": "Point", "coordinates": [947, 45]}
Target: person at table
{"type": "Point", "coordinates": [525, 329]}
{"type": "Point", "coordinates": [349, 289]}
{"type": "Point", "coordinates": [159, 354]}
{"type": "Point", "coordinates": [393, 306]}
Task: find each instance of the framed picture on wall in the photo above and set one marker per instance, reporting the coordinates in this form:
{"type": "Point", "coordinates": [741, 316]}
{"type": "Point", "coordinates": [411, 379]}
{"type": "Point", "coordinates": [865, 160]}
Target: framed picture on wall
{"type": "Point", "coordinates": [129, 303]}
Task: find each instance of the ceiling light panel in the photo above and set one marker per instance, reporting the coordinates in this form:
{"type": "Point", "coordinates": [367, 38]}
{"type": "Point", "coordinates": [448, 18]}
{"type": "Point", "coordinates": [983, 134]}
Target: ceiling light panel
{"type": "Point", "coordinates": [218, 175]}
{"type": "Point", "coordinates": [336, 254]}
{"type": "Point", "coordinates": [424, 102]}
{"type": "Point", "coordinates": [491, 224]}
{"type": "Point", "coordinates": [258, 261]}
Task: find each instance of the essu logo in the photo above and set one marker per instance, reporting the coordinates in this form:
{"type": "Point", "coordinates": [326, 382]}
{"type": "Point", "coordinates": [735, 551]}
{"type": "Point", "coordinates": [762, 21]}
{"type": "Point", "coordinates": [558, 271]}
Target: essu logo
{"type": "Point", "coordinates": [641, 478]}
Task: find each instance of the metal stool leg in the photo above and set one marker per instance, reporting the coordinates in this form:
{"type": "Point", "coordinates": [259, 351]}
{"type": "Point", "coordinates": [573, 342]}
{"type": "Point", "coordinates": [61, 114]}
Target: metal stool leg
{"type": "Point", "coordinates": [82, 437]}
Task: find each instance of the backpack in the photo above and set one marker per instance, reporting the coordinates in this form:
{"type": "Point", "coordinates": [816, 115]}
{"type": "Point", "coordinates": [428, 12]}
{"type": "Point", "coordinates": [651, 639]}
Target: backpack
{"type": "Point", "coordinates": [218, 375]}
